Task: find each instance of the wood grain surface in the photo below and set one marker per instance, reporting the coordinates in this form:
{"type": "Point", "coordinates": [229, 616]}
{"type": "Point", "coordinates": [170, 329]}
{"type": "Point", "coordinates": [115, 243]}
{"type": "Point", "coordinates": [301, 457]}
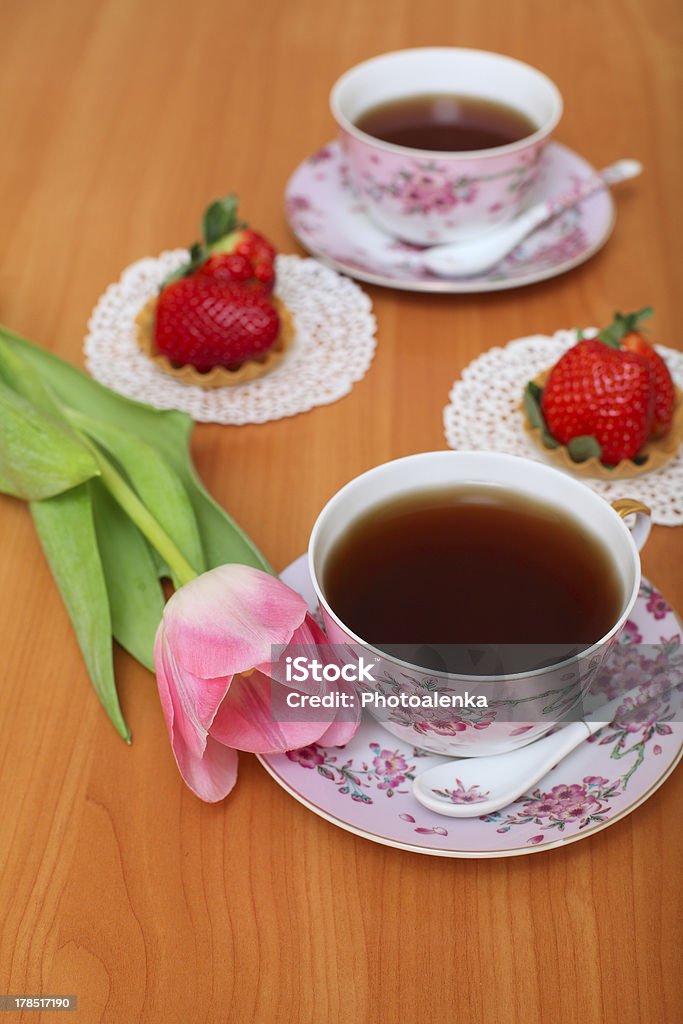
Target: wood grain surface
{"type": "Point", "coordinates": [120, 119]}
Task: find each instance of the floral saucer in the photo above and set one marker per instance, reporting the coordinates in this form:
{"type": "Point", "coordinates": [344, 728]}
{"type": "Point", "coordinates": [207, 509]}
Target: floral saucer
{"type": "Point", "coordinates": [329, 221]}
{"type": "Point", "coordinates": [365, 787]}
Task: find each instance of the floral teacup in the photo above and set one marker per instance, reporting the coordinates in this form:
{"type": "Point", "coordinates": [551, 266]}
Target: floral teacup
{"type": "Point", "coordinates": [430, 197]}
{"type": "Point", "coordinates": [485, 712]}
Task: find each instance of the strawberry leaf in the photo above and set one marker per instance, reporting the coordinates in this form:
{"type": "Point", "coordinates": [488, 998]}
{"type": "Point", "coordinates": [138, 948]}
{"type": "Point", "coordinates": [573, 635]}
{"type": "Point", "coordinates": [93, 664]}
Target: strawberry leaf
{"type": "Point", "coordinates": [220, 219]}
{"type": "Point", "coordinates": [532, 407]}
{"type": "Point", "coordinates": [622, 325]}
{"type": "Point", "coordinates": [198, 255]}
{"type": "Point", "coordinates": [583, 448]}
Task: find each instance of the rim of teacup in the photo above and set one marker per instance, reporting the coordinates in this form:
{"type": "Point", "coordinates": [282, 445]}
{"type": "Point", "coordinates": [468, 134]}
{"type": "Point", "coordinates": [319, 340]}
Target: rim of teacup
{"type": "Point", "coordinates": [490, 457]}
{"type": "Point", "coordinates": [476, 154]}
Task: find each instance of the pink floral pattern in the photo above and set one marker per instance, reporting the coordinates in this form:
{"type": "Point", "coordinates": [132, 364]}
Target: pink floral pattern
{"type": "Point", "coordinates": [307, 757]}
{"type": "Point", "coordinates": [658, 607]}
{"type": "Point", "coordinates": [424, 721]}
{"type": "Point", "coordinates": [631, 634]}
{"type": "Point", "coordinates": [425, 190]}
{"type": "Point", "coordinates": [386, 770]}
{"type": "Point", "coordinates": [460, 795]}
{"type": "Point", "coordinates": [657, 669]}
{"type": "Point", "coordinates": [321, 155]}
{"type": "Point", "coordinates": [423, 187]}
{"type": "Point", "coordinates": [579, 804]}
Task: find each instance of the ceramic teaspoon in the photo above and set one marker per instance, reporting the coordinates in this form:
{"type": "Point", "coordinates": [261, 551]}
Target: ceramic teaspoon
{"type": "Point", "coordinates": [462, 259]}
{"type": "Point", "coordinates": [485, 784]}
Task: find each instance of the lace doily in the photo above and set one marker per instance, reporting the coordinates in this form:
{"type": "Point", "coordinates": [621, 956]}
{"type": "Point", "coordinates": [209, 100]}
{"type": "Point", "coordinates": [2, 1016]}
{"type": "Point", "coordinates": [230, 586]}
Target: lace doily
{"type": "Point", "coordinates": [333, 347]}
{"type": "Point", "coordinates": [483, 413]}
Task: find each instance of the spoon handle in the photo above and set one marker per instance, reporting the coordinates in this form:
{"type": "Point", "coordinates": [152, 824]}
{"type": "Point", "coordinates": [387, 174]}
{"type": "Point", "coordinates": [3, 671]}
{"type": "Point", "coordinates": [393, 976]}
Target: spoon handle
{"type": "Point", "coordinates": [582, 188]}
{"type": "Point", "coordinates": [465, 258]}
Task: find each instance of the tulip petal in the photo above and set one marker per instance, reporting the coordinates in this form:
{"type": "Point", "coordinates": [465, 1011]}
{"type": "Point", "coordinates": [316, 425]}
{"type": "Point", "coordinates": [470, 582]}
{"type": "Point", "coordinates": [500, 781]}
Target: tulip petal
{"type": "Point", "coordinates": [208, 767]}
{"type": "Point", "coordinates": [342, 730]}
{"type": "Point", "coordinates": [307, 640]}
{"type": "Point", "coordinates": [251, 718]}
{"type": "Point", "coordinates": [338, 734]}
{"type": "Point", "coordinates": [309, 632]}
{"type": "Point", "coordinates": [199, 699]}
{"type": "Point", "coordinates": [227, 620]}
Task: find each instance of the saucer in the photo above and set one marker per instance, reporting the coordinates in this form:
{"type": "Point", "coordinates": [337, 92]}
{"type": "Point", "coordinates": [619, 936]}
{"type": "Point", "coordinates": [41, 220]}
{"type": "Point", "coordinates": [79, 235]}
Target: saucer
{"type": "Point", "coordinates": [365, 787]}
{"type": "Point", "coordinates": [329, 221]}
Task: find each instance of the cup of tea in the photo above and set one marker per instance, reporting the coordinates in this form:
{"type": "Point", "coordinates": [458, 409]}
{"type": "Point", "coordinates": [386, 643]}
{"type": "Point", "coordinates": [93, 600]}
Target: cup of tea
{"type": "Point", "coordinates": [480, 590]}
{"type": "Point", "coordinates": [443, 143]}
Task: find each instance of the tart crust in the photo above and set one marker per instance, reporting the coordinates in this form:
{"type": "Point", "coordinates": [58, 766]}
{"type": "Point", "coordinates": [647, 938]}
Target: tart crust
{"type": "Point", "coordinates": [218, 376]}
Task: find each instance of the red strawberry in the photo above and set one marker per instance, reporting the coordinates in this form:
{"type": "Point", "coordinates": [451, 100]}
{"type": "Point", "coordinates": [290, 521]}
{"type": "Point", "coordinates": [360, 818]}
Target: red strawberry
{"type": "Point", "coordinates": [625, 331]}
{"type": "Point", "coordinates": [245, 245]}
{"type": "Point", "coordinates": [207, 323]}
{"type": "Point", "coordinates": [598, 391]}
{"type": "Point", "coordinates": [230, 251]}
{"type": "Point", "coordinates": [236, 267]}
{"type": "Point", "coordinates": [230, 268]}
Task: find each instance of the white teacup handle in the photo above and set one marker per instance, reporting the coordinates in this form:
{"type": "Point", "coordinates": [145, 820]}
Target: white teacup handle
{"type": "Point", "coordinates": [637, 518]}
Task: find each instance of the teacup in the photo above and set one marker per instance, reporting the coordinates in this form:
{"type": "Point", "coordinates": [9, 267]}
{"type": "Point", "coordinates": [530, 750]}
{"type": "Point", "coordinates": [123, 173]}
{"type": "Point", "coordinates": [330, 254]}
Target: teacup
{"type": "Point", "coordinates": [429, 197]}
{"type": "Point", "coordinates": [520, 707]}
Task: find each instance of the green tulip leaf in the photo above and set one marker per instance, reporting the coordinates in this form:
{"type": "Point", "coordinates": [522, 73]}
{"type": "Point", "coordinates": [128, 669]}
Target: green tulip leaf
{"type": "Point", "coordinates": [136, 600]}
{"type": "Point", "coordinates": [67, 534]}
{"type": "Point", "coordinates": [39, 456]}
{"type": "Point", "coordinates": [168, 431]}
{"type": "Point", "coordinates": [223, 540]}
{"type": "Point", "coordinates": [25, 379]}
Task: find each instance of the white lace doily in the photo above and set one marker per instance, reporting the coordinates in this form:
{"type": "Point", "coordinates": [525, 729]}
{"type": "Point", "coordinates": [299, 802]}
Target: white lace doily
{"type": "Point", "coordinates": [333, 347]}
{"type": "Point", "coordinates": [483, 413]}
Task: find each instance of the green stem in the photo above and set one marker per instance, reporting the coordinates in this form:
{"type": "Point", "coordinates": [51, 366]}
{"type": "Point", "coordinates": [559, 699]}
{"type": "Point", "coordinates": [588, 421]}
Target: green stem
{"type": "Point", "coordinates": [145, 522]}
{"type": "Point", "coordinates": [135, 509]}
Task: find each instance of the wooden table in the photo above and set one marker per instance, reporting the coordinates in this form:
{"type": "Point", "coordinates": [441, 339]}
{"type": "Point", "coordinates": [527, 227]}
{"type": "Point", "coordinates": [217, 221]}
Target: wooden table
{"type": "Point", "coordinates": [120, 120]}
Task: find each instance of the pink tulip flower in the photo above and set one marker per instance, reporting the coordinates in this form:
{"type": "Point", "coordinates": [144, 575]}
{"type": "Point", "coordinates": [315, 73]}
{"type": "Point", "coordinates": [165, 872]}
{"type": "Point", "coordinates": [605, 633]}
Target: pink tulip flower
{"type": "Point", "coordinates": [213, 663]}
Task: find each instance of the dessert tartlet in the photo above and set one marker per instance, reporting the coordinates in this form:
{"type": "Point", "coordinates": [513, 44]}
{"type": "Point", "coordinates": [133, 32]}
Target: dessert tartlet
{"type": "Point", "coordinates": [215, 322]}
{"type": "Point", "coordinates": [652, 455]}
{"type": "Point", "coordinates": [217, 376]}
{"type": "Point", "coordinates": [608, 408]}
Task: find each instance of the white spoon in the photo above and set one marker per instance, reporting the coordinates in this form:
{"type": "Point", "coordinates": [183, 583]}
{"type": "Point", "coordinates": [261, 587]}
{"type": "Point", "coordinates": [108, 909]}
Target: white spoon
{"type": "Point", "coordinates": [462, 259]}
{"type": "Point", "coordinates": [496, 781]}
